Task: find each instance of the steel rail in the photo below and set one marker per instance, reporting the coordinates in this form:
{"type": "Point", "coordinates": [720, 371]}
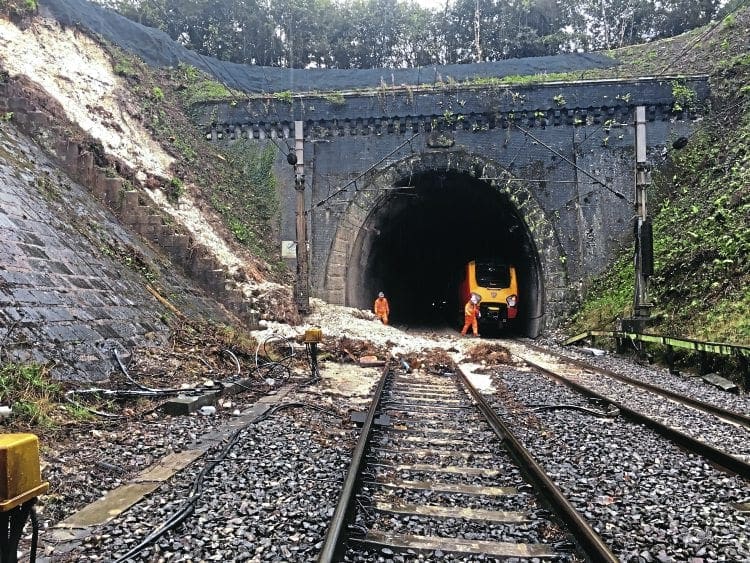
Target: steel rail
{"type": "Point", "coordinates": [739, 418]}
{"type": "Point", "coordinates": [585, 536]}
{"type": "Point", "coordinates": [344, 512]}
{"type": "Point", "coordinates": [719, 457]}
{"type": "Point", "coordinates": [720, 348]}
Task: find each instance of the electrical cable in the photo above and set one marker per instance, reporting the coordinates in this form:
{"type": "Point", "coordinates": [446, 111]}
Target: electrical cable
{"type": "Point", "coordinates": [354, 180]}
{"type": "Point", "coordinates": [279, 370]}
{"type": "Point", "coordinates": [690, 46]}
{"type": "Point", "coordinates": [596, 180]}
{"type": "Point", "coordinates": [273, 337]}
{"type": "Point", "coordinates": [34, 535]}
{"type": "Point", "coordinates": [272, 366]}
{"type": "Point", "coordinates": [127, 375]}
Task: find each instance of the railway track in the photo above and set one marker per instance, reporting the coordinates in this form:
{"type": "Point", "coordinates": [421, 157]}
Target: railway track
{"type": "Point", "coordinates": [436, 471]}
{"type": "Point", "coordinates": [719, 434]}
{"type": "Point", "coordinates": [437, 474]}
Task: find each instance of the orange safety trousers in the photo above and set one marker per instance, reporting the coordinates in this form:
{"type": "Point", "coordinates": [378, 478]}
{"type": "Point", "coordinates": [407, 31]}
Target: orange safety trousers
{"type": "Point", "coordinates": [470, 318]}
{"type": "Point", "coordinates": [470, 321]}
{"type": "Point", "coordinates": [382, 309]}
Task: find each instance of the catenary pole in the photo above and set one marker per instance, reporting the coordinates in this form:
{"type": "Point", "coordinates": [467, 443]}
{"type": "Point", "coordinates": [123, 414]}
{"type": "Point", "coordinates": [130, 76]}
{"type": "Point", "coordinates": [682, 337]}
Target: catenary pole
{"type": "Point", "coordinates": [643, 233]}
{"type": "Point", "coordinates": [302, 284]}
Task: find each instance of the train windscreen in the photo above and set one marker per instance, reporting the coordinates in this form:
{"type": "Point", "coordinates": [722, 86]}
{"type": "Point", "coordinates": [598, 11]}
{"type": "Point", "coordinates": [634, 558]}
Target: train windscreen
{"type": "Point", "coordinates": [491, 274]}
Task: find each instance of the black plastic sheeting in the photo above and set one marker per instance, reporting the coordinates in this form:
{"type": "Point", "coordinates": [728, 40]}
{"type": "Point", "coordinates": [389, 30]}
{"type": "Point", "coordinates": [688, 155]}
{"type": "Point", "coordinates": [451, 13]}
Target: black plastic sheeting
{"type": "Point", "coordinates": [158, 49]}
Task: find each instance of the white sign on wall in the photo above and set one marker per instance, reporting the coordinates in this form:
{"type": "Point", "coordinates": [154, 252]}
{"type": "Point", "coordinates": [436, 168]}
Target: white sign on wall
{"type": "Point", "coordinates": [289, 249]}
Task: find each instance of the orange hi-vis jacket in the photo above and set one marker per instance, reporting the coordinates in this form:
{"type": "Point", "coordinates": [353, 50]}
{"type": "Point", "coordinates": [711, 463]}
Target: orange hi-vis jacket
{"type": "Point", "coordinates": [471, 309]}
{"type": "Point", "coordinates": [381, 306]}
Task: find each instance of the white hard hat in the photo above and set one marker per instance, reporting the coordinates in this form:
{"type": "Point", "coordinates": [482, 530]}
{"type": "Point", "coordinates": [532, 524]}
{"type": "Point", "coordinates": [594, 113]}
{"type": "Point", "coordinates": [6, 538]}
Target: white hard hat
{"type": "Point", "coordinates": [381, 294]}
{"type": "Point", "coordinates": [474, 299]}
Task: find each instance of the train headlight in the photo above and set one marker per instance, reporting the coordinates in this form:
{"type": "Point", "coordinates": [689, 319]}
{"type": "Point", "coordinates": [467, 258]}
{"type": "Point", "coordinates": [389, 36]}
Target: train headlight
{"type": "Point", "coordinates": [511, 300]}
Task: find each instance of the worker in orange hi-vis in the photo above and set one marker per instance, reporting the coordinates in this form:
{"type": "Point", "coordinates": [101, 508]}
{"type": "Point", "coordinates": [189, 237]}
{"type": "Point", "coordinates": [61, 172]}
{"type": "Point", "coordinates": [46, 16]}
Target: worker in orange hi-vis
{"type": "Point", "coordinates": [471, 313]}
{"type": "Point", "coordinates": [382, 309]}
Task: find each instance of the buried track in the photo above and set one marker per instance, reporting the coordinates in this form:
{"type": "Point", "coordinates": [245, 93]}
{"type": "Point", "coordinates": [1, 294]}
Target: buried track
{"type": "Point", "coordinates": [435, 470]}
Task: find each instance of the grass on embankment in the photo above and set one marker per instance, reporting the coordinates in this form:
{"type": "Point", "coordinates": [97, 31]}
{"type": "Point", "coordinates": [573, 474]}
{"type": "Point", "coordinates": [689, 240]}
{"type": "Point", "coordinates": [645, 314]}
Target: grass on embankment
{"type": "Point", "coordinates": [700, 206]}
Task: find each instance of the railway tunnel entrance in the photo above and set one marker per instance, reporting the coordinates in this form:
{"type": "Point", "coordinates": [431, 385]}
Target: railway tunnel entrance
{"type": "Point", "coordinates": [416, 241]}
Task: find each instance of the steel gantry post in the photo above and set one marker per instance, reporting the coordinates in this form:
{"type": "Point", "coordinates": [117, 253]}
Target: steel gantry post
{"type": "Point", "coordinates": [644, 253]}
{"type": "Point", "coordinates": [302, 283]}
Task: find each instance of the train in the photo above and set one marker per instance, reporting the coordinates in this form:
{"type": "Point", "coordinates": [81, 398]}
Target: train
{"type": "Point", "coordinates": [496, 285]}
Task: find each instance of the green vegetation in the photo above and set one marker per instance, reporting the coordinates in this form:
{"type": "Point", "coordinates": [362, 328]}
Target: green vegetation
{"type": "Point", "coordinates": [524, 79]}
{"type": "Point", "coordinates": [336, 99]}
{"type": "Point", "coordinates": [701, 211]}
{"type": "Point", "coordinates": [398, 34]}
{"type": "Point", "coordinates": [206, 91]}
{"type": "Point", "coordinates": [18, 8]}
{"type": "Point", "coordinates": [175, 190]}
{"type": "Point", "coordinates": [250, 198]}
{"type": "Point", "coordinates": [31, 394]}
{"type": "Point", "coordinates": [450, 119]}
{"type": "Point", "coordinates": [124, 67]}
{"type": "Point", "coordinates": [239, 183]}
{"type": "Point", "coordinates": [157, 94]}
{"type": "Point", "coordinates": [128, 256]}
{"type": "Point", "coordinates": [196, 87]}
{"type": "Point", "coordinates": [684, 97]}
{"type": "Point", "coordinates": [284, 97]}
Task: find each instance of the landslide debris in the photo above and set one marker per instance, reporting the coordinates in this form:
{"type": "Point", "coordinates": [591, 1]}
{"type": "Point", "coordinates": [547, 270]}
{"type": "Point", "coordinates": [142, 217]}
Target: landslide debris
{"type": "Point", "coordinates": [488, 354]}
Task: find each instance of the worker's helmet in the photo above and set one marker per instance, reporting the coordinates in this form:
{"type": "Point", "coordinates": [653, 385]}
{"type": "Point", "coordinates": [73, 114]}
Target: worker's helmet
{"type": "Point", "coordinates": [474, 299]}
{"type": "Point", "coordinates": [381, 294]}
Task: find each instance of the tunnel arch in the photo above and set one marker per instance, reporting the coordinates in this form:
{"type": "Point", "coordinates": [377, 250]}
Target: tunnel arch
{"type": "Point", "coordinates": [410, 229]}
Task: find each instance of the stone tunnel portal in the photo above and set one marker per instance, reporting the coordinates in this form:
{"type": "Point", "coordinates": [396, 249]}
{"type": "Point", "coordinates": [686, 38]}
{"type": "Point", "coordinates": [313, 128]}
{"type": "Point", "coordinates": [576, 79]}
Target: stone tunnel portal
{"type": "Point", "coordinates": [416, 242]}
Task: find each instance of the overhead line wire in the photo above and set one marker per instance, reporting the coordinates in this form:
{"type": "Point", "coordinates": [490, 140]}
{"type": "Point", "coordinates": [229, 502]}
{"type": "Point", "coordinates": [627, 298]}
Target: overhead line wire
{"type": "Point", "coordinates": [690, 46]}
{"type": "Point", "coordinates": [362, 174]}
{"type": "Point", "coordinates": [596, 180]}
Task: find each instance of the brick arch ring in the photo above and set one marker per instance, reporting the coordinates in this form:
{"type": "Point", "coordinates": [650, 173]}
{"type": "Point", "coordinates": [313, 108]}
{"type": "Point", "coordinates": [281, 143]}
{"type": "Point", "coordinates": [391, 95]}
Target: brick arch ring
{"type": "Point", "coordinates": [343, 267]}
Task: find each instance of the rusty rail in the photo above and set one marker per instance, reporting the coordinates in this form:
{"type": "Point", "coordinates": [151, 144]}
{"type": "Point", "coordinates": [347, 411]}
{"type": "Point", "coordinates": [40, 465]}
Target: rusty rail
{"type": "Point", "coordinates": [344, 512]}
{"type": "Point", "coordinates": [586, 537]}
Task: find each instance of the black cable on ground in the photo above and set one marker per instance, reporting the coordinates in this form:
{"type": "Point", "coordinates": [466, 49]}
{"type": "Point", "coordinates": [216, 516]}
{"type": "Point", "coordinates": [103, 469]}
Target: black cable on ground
{"type": "Point", "coordinates": [195, 492]}
{"type": "Point", "coordinates": [127, 375]}
{"type": "Point", "coordinates": [276, 370]}
{"type": "Point", "coordinates": [612, 413]}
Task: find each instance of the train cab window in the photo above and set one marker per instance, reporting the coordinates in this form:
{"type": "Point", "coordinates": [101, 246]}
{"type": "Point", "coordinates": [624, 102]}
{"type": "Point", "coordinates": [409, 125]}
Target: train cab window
{"type": "Point", "coordinates": [491, 274]}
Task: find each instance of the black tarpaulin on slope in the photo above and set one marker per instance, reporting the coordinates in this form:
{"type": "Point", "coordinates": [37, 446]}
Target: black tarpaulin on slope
{"type": "Point", "coordinates": [158, 49]}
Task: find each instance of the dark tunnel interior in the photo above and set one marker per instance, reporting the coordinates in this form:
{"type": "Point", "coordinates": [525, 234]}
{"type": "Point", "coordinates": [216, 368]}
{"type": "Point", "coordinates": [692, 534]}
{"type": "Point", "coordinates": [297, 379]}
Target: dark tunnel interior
{"type": "Point", "coordinates": [415, 246]}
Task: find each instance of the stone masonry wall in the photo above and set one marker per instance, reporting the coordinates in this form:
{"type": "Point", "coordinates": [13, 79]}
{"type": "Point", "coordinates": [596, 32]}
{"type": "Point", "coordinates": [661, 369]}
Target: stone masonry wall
{"type": "Point", "coordinates": [569, 146]}
{"type": "Point", "coordinates": [82, 255]}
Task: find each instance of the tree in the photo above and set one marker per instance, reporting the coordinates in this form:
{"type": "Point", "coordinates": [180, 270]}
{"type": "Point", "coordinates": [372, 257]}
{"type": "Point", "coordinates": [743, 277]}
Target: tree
{"type": "Point", "coordinates": [399, 33]}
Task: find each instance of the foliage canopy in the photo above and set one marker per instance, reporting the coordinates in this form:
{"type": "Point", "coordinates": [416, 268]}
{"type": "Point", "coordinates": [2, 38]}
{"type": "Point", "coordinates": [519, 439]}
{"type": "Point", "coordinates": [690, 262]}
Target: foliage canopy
{"type": "Point", "coordinates": [398, 33]}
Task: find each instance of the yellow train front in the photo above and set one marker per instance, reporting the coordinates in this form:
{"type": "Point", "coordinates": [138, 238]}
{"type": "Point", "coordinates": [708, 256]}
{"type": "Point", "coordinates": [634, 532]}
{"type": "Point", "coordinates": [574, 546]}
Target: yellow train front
{"type": "Point", "coordinates": [496, 285]}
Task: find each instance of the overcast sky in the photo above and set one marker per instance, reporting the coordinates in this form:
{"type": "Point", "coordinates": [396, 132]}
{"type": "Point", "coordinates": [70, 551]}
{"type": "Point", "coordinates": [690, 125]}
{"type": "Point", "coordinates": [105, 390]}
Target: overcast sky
{"type": "Point", "coordinates": [431, 4]}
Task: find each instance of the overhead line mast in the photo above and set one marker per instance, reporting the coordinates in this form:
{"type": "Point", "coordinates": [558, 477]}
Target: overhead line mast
{"type": "Point", "coordinates": [644, 251]}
